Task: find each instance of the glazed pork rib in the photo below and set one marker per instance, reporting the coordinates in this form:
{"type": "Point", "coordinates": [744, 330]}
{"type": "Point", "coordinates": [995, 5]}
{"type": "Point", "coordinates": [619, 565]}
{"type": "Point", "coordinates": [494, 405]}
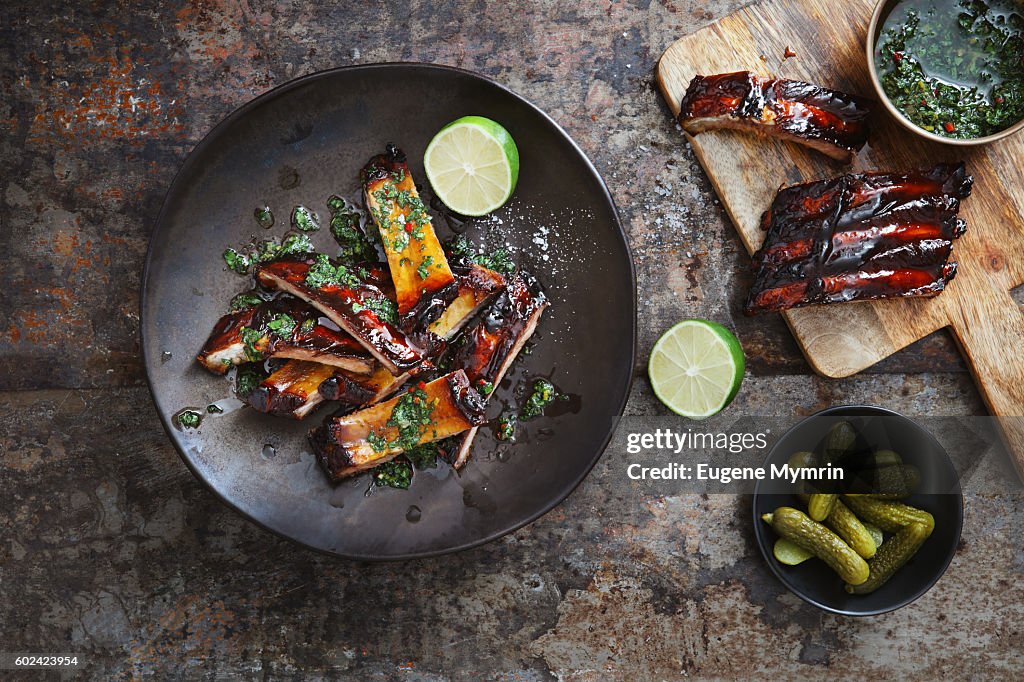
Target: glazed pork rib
{"type": "Point", "coordinates": [293, 390]}
{"type": "Point", "coordinates": [424, 283]}
{"type": "Point", "coordinates": [355, 442]}
{"type": "Point", "coordinates": [282, 328]}
{"type": "Point", "coordinates": [349, 304]}
{"type": "Point", "coordinates": [829, 121]}
{"type": "Point", "coordinates": [860, 237]}
{"type": "Point", "coordinates": [492, 344]}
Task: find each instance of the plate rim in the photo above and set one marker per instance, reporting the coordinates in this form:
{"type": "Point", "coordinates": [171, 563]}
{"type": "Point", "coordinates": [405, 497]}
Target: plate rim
{"type": "Point", "coordinates": [220, 128]}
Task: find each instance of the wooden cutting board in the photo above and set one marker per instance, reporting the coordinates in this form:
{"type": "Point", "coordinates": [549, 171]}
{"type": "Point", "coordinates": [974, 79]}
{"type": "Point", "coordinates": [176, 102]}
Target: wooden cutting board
{"type": "Point", "coordinates": [839, 340]}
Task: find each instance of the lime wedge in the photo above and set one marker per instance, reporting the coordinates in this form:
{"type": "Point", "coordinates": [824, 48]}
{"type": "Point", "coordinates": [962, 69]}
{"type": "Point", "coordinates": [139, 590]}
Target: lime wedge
{"type": "Point", "coordinates": [696, 368]}
{"type": "Point", "coordinates": [473, 165]}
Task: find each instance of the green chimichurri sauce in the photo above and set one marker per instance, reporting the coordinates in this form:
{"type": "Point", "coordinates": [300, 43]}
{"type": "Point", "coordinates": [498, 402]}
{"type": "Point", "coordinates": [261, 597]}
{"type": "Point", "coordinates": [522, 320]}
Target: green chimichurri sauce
{"type": "Point", "coordinates": [955, 67]}
{"type": "Point", "coordinates": [543, 394]}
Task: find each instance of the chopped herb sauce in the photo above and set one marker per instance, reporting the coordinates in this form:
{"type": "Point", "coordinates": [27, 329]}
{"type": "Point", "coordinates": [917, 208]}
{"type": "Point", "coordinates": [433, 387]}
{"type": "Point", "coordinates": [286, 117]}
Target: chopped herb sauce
{"type": "Point", "coordinates": [394, 474]}
{"type": "Point", "coordinates": [237, 262]}
{"type": "Point", "coordinates": [245, 300]}
{"type": "Point", "coordinates": [384, 308]}
{"type": "Point", "coordinates": [247, 378]}
{"type": "Point", "coordinates": [345, 220]}
{"type": "Point", "coordinates": [188, 419]}
{"type": "Point", "coordinates": [954, 67]}
{"type": "Point", "coordinates": [282, 326]}
{"type": "Point", "coordinates": [506, 430]}
{"type": "Point", "coordinates": [463, 252]}
{"type": "Point", "coordinates": [251, 338]}
{"type": "Point", "coordinates": [214, 409]}
{"type": "Point", "coordinates": [264, 217]}
{"type": "Point", "coordinates": [543, 394]}
{"type": "Point", "coordinates": [305, 220]}
{"type": "Point", "coordinates": [322, 274]}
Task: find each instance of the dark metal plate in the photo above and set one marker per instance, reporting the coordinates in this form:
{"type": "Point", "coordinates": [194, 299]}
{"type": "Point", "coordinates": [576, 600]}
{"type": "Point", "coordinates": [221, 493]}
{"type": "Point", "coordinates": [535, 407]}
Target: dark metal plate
{"type": "Point", "coordinates": [306, 140]}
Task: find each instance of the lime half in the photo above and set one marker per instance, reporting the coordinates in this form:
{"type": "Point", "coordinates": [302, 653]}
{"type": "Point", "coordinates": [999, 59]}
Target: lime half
{"type": "Point", "coordinates": [696, 368]}
{"type": "Point", "coordinates": [473, 165]}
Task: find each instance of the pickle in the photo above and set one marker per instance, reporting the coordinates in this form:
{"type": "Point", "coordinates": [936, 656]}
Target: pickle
{"type": "Point", "coordinates": [890, 483]}
{"type": "Point", "coordinates": [820, 506]}
{"type": "Point", "coordinates": [889, 516]}
{"type": "Point", "coordinates": [839, 442]}
{"type": "Point", "coordinates": [893, 553]}
{"type": "Point", "coordinates": [876, 533]}
{"type": "Point", "coordinates": [886, 458]}
{"type": "Point", "coordinates": [801, 460]}
{"type": "Point", "coordinates": [799, 529]}
{"type": "Point", "coordinates": [790, 553]}
{"type": "Point", "coordinates": [846, 524]}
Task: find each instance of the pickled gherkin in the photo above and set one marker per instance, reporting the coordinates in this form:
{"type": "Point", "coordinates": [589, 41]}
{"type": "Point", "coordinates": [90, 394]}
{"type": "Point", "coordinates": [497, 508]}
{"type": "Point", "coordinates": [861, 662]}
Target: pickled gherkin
{"type": "Point", "coordinates": [820, 506]}
{"type": "Point", "coordinates": [839, 442]}
{"type": "Point", "coordinates": [799, 529]}
{"type": "Point", "coordinates": [889, 516]}
{"type": "Point", "coordinates": [846, 524]}
{"type": "Point", "coordinates": [891, 556]}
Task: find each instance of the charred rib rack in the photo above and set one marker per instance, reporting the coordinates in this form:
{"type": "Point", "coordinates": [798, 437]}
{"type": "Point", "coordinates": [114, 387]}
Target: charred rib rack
{"type": "Point", "coordinates": [830, 121]}
{"type": "Point", "coordinates": [352, 443]}
{"type": "Point", "coordinates": [349, 304]}
{"type": "Point", "coordinates": [282, 328]}
{"type": "Point", "coordinates": [860, 237]}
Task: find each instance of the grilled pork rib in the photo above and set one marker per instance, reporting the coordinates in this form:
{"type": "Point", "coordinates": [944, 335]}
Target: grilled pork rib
{"type": "Point", "coordinates": [490, 346]}
{"type": "Point", "coordinates": [355, 442]}
{"type": "Point", "coordinates": [424, 283]}
{"type": "Point", "coordinates": [830, 121]}
{"type": "Point", "coordinates": [349, 307]}
{"type": "Point", "coordinates": [293, 390]}
{"type": "Point", "coordinates": [282, 328]}
{"type": "Point", "coordinates": [859, 237]}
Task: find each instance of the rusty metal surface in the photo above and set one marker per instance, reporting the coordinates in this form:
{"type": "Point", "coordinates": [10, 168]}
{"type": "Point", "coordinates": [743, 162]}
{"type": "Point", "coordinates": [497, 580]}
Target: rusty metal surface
{"type": "Point", "coordinates": [111, 549]}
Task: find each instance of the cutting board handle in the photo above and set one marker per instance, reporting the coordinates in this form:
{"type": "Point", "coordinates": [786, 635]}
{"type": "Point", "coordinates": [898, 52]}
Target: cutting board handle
{"type": "Point", "coordinates": [990, 329]}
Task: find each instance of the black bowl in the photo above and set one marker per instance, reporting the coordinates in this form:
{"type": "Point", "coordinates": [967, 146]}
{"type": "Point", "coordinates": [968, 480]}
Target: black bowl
{"type": "Point", "coordinates": [940, 494]}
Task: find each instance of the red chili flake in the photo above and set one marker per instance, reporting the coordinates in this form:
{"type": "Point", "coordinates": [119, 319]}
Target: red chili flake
{"type": "Point", "coordinates": [408, 227]}
{"type": "Point", "coordinates": [422, 385]}
{"type": "Point", "coordinates": [416, 400]}
{"type": "Point", "coordinates": [897, 56]}
{"type": "Point", "coordinates": [788, 53]}
{"type": "Point", "coordinates": [999, 100]}
{"type": "Point", "coordinates": [948, 125]}
{"type": "Point", "coordinates": [924, 102]}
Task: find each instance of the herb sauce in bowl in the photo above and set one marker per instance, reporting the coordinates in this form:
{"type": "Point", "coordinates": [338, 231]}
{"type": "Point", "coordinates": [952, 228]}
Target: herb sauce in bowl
{"type": "Point", "coordinates": [954, 68]}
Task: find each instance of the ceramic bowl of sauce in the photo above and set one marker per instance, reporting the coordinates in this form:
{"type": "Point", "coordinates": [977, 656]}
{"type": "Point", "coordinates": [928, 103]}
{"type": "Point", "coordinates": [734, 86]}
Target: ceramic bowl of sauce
{"type": "Point", "coordinates": [951, 71]}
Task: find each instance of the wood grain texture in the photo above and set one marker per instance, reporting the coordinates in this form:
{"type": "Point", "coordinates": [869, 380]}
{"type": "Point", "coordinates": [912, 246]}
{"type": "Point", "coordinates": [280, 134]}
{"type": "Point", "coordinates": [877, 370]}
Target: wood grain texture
{"type": "Point", "coordinates": [840, 340]}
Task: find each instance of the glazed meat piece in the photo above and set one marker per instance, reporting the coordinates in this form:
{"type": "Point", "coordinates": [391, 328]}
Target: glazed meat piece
{"type": "Point", "coordinates": [476, 286]}
{"type": "Point", "coordinates": [356, 307]}
{"type": "Point", "coordinates": [293, 390]}
{"type": "Point", "coordinates": [859, 237]}
{"type": "Point", "coordinates": [424, 283]}
{"type": "Point", "coordinates": [427, 413]}
{"type": "Point", "coordinates": [489, 347]}
{"type": "Point", "coordinates": [282, 328]}
{"type": "Point", "coordinates": [830, 121]}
